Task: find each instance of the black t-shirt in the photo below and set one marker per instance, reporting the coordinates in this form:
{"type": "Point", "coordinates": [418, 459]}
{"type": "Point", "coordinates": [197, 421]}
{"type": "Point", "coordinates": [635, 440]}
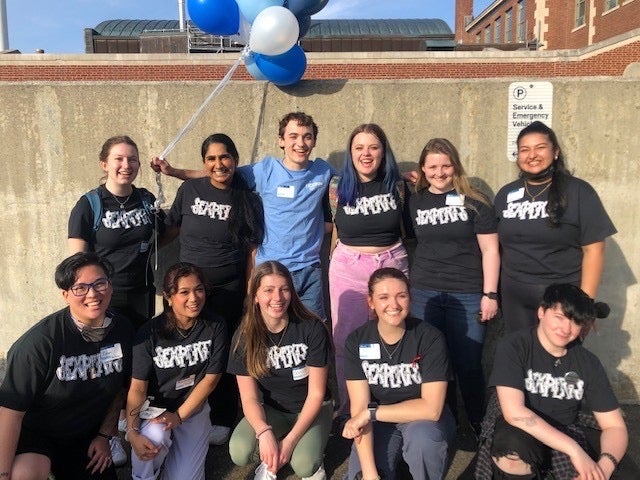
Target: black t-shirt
{"type": "Point", "coordinates": [202, 213]}
{"type": "Point", "coordinates": [374, 220]}
{"type": "Point", "coordinates": [305, 343]}
{"type": "Point", "coordinates": [420, 358]}
{"type": "Point", "coordinates": [64, 383]}
{"type": "Point", "coordinates": [554, 388]}
{"type": "Point", "coordinates": [173, 365]}
{"type": "Point", "coordinates": [534, 252]}
{"type": "Point", "coordinates": [123, 236]}
{"type": "Point", "coordinates": [447, 257]}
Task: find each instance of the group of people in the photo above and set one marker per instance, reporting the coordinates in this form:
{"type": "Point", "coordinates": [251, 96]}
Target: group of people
{"type": "Point", "coordinates": [244, 318]}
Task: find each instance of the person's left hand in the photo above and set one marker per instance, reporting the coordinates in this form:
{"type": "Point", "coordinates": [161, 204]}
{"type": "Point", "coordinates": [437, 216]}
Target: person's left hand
{"type": "Point", "coordinates": [286, 450]}
{"type": "Point", "coordinates": [488, 309]}
{"type": "Point", "coordinates": [99, 454]}
{"type": "Point", "coordinates": [170, 419]}
{"type": "Point", "coordinates": [354, 426]}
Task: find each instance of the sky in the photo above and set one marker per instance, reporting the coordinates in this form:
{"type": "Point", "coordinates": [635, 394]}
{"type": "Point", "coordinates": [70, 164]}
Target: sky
{"type": "Point", "coordinates": [58, 26]}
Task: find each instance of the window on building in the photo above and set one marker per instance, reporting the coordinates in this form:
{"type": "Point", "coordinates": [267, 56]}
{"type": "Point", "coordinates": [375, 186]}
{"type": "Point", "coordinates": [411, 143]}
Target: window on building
{"type": "Point", "coordinates": [609, 4]}
{"type": "Point", "coordinates": [521, 20]}
{"type": "Point", "coordinates": [580, 12]}
{"type": "Point", "coordinates": [487, 34]}
{"type": "Point", "coordinates": [478, 38]}
{"type": "Point", "coordinates": [508, 25]}
{"type": "Point", "coordinates": [497, 30]}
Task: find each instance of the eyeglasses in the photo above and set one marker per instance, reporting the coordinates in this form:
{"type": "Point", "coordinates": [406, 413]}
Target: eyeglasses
{"type": "Point", "coordinates": [98, 286]}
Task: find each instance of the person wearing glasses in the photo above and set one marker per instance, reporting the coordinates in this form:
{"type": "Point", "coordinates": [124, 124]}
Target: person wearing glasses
{"type": "Point", "coordinates": [65, 381]}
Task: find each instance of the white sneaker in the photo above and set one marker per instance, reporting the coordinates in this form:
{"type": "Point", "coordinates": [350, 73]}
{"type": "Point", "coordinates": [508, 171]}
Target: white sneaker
{"type": "Point", "coordinates": [118, 455]}
{"type": "Point", "coordinates": [219, 435]}
{"type": "Point", "coordinates": [122, 425]}
{"type": "Point", "coordinates": [263, 474]}
{"type": "Point", "coordinates": [319, 475]}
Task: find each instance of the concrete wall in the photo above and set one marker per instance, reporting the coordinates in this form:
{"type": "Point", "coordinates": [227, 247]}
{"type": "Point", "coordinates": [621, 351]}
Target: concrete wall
{"type": "Point", "coordinates": [51, 133]}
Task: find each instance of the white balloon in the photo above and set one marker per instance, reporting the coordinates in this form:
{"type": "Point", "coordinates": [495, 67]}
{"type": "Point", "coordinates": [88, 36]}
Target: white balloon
{"type": "Point", "coordinates": [274, 31]}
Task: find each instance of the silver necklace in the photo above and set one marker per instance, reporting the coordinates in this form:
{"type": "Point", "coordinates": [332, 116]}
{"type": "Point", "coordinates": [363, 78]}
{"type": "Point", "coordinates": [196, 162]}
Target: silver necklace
{"type": "Point", "coordinates": [533, 197]}
{"type": "Point", "coordinates": [277, 347]}
{"type": "Point", "coordinates": [122, 204]}
{"type": "Point", "coordinates": [395, 349]}
{"type": "Point", "coordinates": [185, 335]}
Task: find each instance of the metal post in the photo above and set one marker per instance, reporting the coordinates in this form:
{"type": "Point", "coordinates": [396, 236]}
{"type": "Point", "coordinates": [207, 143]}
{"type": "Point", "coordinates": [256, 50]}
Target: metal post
{"type": "Point", "coordinates": [4, 31]}
{"type": "Point", "coordinates": [181, 15]}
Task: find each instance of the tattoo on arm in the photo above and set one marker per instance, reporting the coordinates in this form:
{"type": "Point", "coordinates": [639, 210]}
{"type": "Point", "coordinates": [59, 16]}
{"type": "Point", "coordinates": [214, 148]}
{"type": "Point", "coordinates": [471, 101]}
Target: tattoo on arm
{"type": "Point", "coordinates": [528, 421]}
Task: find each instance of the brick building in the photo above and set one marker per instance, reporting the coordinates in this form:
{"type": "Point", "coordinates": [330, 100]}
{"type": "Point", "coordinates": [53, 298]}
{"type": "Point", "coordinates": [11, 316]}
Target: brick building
{"type": "Point", "coordinates": [543, 24]}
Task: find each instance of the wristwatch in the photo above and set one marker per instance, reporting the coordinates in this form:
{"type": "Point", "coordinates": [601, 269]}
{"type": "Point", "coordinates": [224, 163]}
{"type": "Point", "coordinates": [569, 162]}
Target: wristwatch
{"type": "Point", "coordinates": [491, 295]}
{"type": "Point", "coordinates": [373, 408]}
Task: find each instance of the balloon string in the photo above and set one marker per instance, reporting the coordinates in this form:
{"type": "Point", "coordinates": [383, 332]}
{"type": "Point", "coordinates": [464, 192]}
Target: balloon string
{"type": "Point", "coordinates": [204, 105]}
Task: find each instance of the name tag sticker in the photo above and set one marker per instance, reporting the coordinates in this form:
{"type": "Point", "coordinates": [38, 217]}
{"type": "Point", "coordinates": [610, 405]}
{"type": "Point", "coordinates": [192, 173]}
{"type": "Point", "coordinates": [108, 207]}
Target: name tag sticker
{"type": "Point", "coordinates": [144, 246]}
{"type": "Point", "coordinates": [108, 354]}
{"type": "Point", "coordinates": [300, 372]}
{"type": "Point", "coordinates": [286, 192]}
{"type": "Point", "coordinates": [186, 382]}
{"type": "Point", "coordinates": [454, 200]}
{"type": "Point", "coordinates": [369, 351]}
{"type": "Point", "coordinates": [515, 195]}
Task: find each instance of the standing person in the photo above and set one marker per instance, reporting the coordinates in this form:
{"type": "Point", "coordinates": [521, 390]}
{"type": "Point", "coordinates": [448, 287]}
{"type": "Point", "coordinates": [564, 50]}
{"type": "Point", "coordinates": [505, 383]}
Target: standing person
{"type": "Point", "coordinates": [456, 267]}
{"type": "Point", "coordinates": [178, 359]}
{"type": "Point", "coordinates": [220, 223]}
{"type": "Point", "coordinates": [545, 382]}
{"type": "Point", "coordinates": [397, 368]}
{"type": "Point", "coordinates": [65, 382]}
{"type": "Point", "coordinates": [280, 356]}
{"type": "Point", "coordinates": [552, 228]}
{"type": "Point", "coordinates": [294, 196]}
{"type": "Point", "coordinates": [368, 225]}
{"type": "Point", "coordinates": [117, 220]}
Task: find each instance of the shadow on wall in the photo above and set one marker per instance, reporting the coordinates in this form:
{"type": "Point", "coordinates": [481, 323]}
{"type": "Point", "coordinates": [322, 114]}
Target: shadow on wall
{"type": "Point", "coordinates": [3, 368]}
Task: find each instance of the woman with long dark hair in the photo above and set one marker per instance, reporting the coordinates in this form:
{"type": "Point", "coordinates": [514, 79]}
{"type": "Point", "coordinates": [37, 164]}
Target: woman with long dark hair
{"type": "Point", "coordinates": [552, 228]}
{"type": "Point", "coordinates": [280, 356]}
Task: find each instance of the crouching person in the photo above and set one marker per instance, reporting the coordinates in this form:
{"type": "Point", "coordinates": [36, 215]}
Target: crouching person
{"type": "Point", "coordinates": [555, 411]}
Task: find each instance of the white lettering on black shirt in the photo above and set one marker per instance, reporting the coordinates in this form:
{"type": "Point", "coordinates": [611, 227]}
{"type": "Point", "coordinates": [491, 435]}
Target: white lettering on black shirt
{"type": "Point", "coordinates": [548, 386]}
{"type": "Point", "coordinates": [526, 210]}
{"type": "Point", "coordinates": [392, 376]}
{"type": "Point", "coordinates": [182, 355]}
{"type": "Point", "coordinates": [86, 367]}
{"type": "Point", "coordinates": [126, 218]}
{"type": "Point", "coordinates": [372, 205]}
{"type": "Point", "coordinates": [442, 215]}
{"type": "Point", "coordinates": [288, 356]}
{"type": "Point", "coordinates": [210, 209]}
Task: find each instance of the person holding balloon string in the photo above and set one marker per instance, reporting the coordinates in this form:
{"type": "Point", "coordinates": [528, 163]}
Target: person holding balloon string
{"type": "Point", "coordinates": [294, 193]}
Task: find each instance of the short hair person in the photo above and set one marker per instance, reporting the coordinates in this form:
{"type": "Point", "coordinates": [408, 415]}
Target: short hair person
{"type": "Point", "coordinates": [544, 377]}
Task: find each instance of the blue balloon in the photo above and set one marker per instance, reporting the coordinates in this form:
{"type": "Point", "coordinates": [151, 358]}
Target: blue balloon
{"type": "Point", "coordinates": [251, 8]}
{"type": "Point", "coordinates": [284, 69]}
{"type": "Point", "coordinates": [217, 17]}
{"type": "Point", "coordinates": [305, 23]}
{"type": "Point", "coordinates": [306, 7]}
{"type": "Point", "coordinates": [252, 68]}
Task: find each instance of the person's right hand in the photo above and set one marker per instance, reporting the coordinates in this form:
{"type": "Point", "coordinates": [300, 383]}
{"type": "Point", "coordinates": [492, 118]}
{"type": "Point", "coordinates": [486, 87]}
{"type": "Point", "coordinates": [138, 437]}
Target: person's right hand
{"type": "Point", "coordinates": [269, 450]}
{"type": "Point", "coordinates": [144, 448]}
{"type": "Point", "coordinates": [161, 165]}
{"type": "Point", "coordinates": [585, 466]}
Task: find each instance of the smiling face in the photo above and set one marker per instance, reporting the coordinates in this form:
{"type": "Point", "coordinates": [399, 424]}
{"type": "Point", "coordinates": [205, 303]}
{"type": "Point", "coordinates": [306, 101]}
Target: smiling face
{"type": "Point", "coordinates": [121, 165]}
{"type": "Point", "coordinates": [556, 330]}
{"type": "Point", "coordinates": [220, 165]}
{"type": "Point", "coordinates": [297, 141]}
{"type": "Point", "coordinates": [273, 297]}
{"type": "Point", "coordinates": [390, 300]}
{"type": "Point", "coordinates": [188, 300]}
{"type": "Point", "coordinates": [89, 308]}
{"type": "Point", "coordinates": [438, 171]}
{"type": "Point", "coordinates": [366, 155]}
{"type": "Point", "coordinates": [535, 153]}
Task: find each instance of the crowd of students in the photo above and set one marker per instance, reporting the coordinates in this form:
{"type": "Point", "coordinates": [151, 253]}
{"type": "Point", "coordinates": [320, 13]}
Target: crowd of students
{"type": "Point", "coordinates": [244, 319]}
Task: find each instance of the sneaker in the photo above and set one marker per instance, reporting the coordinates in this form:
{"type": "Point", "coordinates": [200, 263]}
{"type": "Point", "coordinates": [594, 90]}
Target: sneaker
{"type": "Point", "coordinates": [263, 474]}
{"type": "Point", "coordinates": [122, 425]}
{"type": "Point", "coordinates": [319, 475]}
{"type": "Point", "coordinates": [118, 455]}
{"type": "Point", "coordinates": [219, 435]}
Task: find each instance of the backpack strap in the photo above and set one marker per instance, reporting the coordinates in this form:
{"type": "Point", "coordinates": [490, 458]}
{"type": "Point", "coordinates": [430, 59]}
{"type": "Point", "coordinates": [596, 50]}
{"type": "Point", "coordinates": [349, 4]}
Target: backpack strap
{"type": "Point", "coordinates": [93, 197]}
{"type": "Point", "coordinates": [333, 194]}
{"type": "Point", "coordinates": [401, 188]}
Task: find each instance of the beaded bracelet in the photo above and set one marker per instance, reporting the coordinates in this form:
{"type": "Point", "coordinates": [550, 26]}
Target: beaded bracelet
{"type": "Point", "coordinates": [268, 427]}
{"type": "Point", "coordinates": [612, 458]}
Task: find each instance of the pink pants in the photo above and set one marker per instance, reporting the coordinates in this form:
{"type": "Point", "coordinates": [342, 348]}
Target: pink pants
{"type": "Point", "coordinates": [349, 272]}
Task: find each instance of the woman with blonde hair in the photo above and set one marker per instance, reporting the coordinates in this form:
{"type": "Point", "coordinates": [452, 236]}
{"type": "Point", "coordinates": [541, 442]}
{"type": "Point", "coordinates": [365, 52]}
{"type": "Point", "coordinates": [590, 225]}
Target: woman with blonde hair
{"type": "Point", "coordinates": [280, 356]}
{"type": "Point", "coordinates": [456, 266]}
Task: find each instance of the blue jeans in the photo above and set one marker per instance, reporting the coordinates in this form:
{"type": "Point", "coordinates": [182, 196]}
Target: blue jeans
{"type": "Point", "coordinates": [308, 284]}
{"type": "Point", "coordinates": [456, 316]}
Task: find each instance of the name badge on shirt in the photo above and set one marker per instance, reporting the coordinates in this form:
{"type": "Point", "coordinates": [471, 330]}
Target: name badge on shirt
{"type": "Point", "coordinates": [286, 192]}
{"type": "Point", "coordinates": [515, 195]}
{"type": "Point", "coordinates": [186, 382]}
{"type": "Point", "coordinates": [369, 351]}
{"type": "Point", "coordinates": [108, 354]}
{"type": "Point", "coordinates": [454, 200]}
{"type": "Point", "coordinates": [144, 246]}
{"type": "Point", "coordinates": [300, 372]}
